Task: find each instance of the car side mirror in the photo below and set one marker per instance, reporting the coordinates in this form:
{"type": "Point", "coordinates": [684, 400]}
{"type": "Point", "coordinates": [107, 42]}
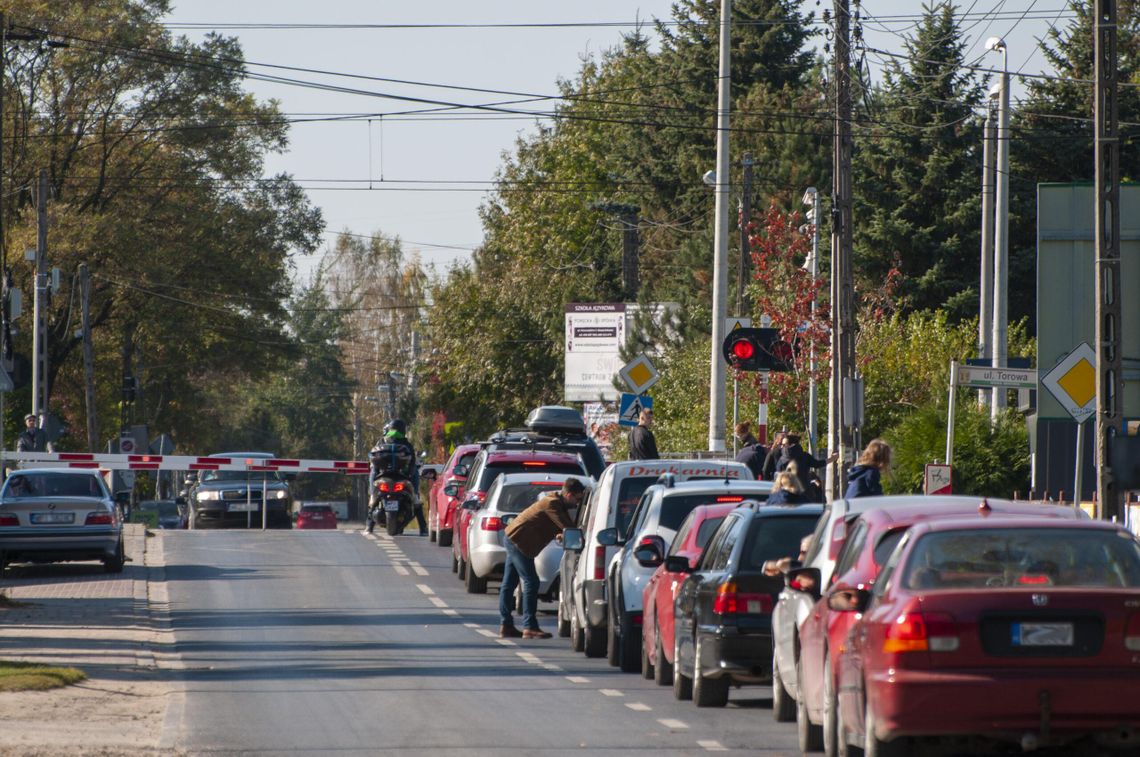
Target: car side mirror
{"type": "Point", "coordinates": [451, 490]}
{"type": "Point", "coordinates": [651, 552]}
{"type": "Point", "coordinates": [608, 537]}
{"type": "Point", "coordinates": [573, 540]}
{"type": "Point", "coordinates": [806, 580]}
{"type": "Point", "coordinates": [471, 504]}
{"type": "Point", "coordinates": [459, 470]}
{"type": "Point", "coordinates": [678, 564]}
{"type": "Point", "coordinates": [845, 598]}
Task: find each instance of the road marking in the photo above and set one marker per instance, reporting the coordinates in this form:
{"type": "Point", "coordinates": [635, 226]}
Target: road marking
{"type": "Point", "coordinates": [638, 706]}
{"type": "Point", "coordinates": [712, 746]}
{"type": "Point", "coordinates": [677, 725]}
{"type": "Point", "coordinates": [529, 657]}
{"type": "Point", "coordinates": [506, 642]}
{"type": "Point", "coordinates": [425, 589]}
{"type": "Point", "coordinates": [401, 570]}
{"type": "Point", "coordinates": [471, 625]}
{"type": "Point", "coordinates": [437, 602]}
{"type": "Point", "coordinates": [551, 667]}
{"type": "Point", "coordinates": [488, 634]}
{"type": "Point", "coordinates": [577, 679]}
{"type": "Point", "coordinates": [452, 613]}
{"type": "Point", "coordinates": [611, 692]}
{"type": "Point", "coordinates": [419, 569]}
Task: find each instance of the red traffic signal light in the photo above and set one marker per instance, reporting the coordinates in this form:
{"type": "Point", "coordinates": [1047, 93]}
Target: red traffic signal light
{"type": "Point", "coordinates": [758, 350]}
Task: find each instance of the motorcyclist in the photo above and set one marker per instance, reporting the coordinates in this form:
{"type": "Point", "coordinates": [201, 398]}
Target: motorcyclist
{"type": "Point", "coordinates": [395, 433]}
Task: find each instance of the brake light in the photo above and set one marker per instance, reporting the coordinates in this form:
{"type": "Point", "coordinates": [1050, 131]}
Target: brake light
{"type": "Point", "coordinates": [1131, 631]}
{"type": "Point", "coordinates": [635, 618]}
{"type": "Point", "coordinates": [99, 519]}
{"type": "Point", "coordinates": [545, 483]}
{"type": "Point", "coordinates": [9, 520]}
{"type": "Point", "coordinates": [1034, 580]}
{"type": "Point", "coordinates": [386, 487]}
{"type": "Point", "coordinates": [730, 499]}
{"type": "Point", "coordinates": [534, 464]}
{"type": "Point", "coordinates": [838, 536]}
{"type": "Point", "coordinates": [921, 632]}
{"type": "Point", "coordinates": [730, 602]}
{"type": "Point", "coordinates": [725, 602]}
{"type": "Point", "coordinates": [494, 523]}
{"type": "Point", "coordinates": [600, 563]}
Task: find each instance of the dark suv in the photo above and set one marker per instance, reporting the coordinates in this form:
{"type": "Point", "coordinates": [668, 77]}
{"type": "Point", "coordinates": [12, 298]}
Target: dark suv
{"type": "Point", "coordinates": [552, 428]}
{"type": "Point", "coordinates": [233, 499]}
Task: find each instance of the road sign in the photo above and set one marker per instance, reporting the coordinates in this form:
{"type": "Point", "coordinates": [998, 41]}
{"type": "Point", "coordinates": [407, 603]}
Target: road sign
{"type": "Point", "coordinates": [1073, 382]}
{"type": "Point", "coordinates": [639, 374]}
{"type": "Point", "coordinates": [127, 443]}
{"type": "Point", "coordinates": [983, 377]}
{"type": "Point", "coordinates": [937, 479]}
{"type": "Point", "coordinates": [732, 324]}
{"type": "Point", "coordinates": [631, 406]}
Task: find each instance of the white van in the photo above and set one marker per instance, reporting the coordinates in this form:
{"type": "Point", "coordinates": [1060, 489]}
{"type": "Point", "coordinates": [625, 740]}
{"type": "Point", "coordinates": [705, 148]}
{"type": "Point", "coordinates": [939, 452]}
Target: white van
{"type": "Point", "coordinates": [582, 600]}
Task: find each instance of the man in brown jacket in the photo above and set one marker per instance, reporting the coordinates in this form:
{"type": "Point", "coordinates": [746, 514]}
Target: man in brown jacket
{"type": "Point", "coordinates": [527, 535]}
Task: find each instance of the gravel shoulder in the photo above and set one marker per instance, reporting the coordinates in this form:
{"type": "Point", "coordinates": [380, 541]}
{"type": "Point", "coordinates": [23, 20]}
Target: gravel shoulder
{"type": "Point", "coordinates": [110, 626]}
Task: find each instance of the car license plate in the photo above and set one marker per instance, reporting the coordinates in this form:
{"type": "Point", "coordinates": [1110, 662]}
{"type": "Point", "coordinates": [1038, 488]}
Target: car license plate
{"type": "Point", "coordinates": [754, 606]}
{"type": "Point", "coordinates": [391, 505]}
{"type": "Point", "coordinates": [242, 507]}
{"type": "Point", "coordinates": [53, 517]}
{"type": "Point", "coordinates": [1041, 634]}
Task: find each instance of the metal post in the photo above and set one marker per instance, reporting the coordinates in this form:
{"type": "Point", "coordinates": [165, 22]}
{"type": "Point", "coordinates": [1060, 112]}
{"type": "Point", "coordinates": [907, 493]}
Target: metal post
{"type": "Point", "coordinates": [1108, 318]}
{"type": "Point", "coordinates": [986, 273]}
{"type": "Point", "coordinates": [39, 333]}
{"type": "Point", "coordinates": [631, 279]}
{"type": "Point", "coordinates": [950, 413]}
{"type": "Point", "coordinates": [813, 388]}
{"type": "Point", "coordinates": [1001, 237]}
{"type": "Point", "coordinates": [264, 500]}
{"type": "Point", "coordinates": [735, 410]}
{"type": "Point", "coordinates": [720, 237]}
{"type": "Point", "coordinates": [88, 357]}
{"type": "Point", "coordinates": [1078, 482]}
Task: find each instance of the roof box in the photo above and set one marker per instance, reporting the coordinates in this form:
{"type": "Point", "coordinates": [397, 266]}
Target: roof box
{"type": "Point", "coordinates": [550, 418]}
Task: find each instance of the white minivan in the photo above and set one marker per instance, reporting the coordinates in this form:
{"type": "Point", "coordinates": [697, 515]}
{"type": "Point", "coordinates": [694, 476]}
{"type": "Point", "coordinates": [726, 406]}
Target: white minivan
{"type": "Point", "coordinates": [582, 601]}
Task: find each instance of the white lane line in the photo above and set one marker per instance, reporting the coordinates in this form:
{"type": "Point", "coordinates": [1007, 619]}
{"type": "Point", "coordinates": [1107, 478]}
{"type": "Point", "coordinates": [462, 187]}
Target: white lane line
{"type": "Point", "coordinates": [611, 692]}
{"type": "Point", "coordinates": [400, 569]}
{"type": "Point", "coordinates": [577, 679]}
{"type": "Point", "coordinates": [471, 625]}
{"type": "Point", "coordinates": [553, 668]}
{"type": "Point", "coordinates": [506, 642]}
{"type": "Point", "coordinates": [488, 634]}
{"type": "Point", "coordinates": [419, 569]}
{"type": "Point", "coordinates": [677, 725]}
{"type": "Point", "coordinates": [529, 657]}
{"type": "Point", "coordinates": [638, 706]}
{"type": "Point", "coordinates": [425, 589]}
{"type": "Point", "coordinates": [712, 746]}
{"type": "Point", "coordinates": [452, 613]}
{"type": "Point", "coordinates": [437, 602]}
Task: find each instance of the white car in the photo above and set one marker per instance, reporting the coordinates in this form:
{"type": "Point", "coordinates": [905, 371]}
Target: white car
{"type": "Point", "coordinates": [509, 495]}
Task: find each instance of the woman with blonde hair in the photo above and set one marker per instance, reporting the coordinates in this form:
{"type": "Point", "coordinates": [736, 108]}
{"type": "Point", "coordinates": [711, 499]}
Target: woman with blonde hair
{"type": "Point", "coordinates": [786, 490]}
{"type": "Point", "coordinates": [865, 477]}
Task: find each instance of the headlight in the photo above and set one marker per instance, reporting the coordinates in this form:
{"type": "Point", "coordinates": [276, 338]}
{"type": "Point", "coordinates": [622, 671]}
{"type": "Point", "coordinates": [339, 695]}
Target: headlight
{"type": "Point", "coordinates": [209, 495]}
{"type": "Point", "coordinates": [281, 494]}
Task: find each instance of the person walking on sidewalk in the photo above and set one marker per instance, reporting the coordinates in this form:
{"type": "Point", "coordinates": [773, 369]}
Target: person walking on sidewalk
{"type": "Point", "coordinates": [527, 535]}
{"type": "Point", "coordinates": [865, 477]}
{"type": "Point", "coordinates": [642, 444]}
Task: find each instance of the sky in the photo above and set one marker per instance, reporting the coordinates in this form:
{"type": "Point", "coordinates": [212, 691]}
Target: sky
{"type": "Point", "coordinates": [423, 178]}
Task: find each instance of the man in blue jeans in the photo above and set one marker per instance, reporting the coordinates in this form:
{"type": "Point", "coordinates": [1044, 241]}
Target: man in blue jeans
{"type": "Point", "coordinates": [527, 535]}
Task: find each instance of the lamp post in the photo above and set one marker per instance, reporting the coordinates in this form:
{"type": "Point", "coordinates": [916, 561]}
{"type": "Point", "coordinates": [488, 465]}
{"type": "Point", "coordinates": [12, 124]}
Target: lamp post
{"type": "Point", "coordinates": [811, 199]}
{"type": "Point", "coordinates": [999, 342]}
{"type": "Point", "coordinates": [720, 239]}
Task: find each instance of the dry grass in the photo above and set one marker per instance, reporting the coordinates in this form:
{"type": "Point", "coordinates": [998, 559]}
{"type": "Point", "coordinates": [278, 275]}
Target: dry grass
{"type": "Point", "coordinates": [30, 676]}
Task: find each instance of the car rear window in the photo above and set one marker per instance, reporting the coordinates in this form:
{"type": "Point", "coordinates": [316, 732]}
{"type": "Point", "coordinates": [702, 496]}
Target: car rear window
{"type": "Point", "coordinates": [674, 509]}
{"type": "Point", "coordinates": [317, 509]}
{"type": "Point", "coordinates": [53, 485]}
{"type": "Point", "coordinates": [629, 494]}
{"type": "Point", "coordinates": [494, 470]}
{"type": "Point", "coordinates": [467, 459]}
{"type": "Point", "coordinates": [1022, 557]}
{"type": "Point", "coordinates": [707, 529]}
{"type": "Point", "coordinates": [773, 538]}
{"type": "Point", "coordinates": [518, 497]}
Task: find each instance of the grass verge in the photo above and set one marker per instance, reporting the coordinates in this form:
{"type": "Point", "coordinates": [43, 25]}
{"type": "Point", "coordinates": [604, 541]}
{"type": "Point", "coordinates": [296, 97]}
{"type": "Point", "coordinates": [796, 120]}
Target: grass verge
{"type": "Point", "coordinates": [30, 676]}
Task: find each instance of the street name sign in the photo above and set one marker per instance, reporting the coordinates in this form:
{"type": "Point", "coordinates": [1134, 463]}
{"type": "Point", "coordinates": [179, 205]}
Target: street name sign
{"type": "Point", "coordinates": [984, 377]}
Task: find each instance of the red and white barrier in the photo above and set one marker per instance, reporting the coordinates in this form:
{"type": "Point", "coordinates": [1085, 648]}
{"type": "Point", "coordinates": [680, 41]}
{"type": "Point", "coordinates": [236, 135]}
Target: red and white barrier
{"type": "Point", "coordinates": [108, 461]}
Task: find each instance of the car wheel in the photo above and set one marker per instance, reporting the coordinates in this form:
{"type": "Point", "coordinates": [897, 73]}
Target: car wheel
{"type": "Point", "coordinates": [454, 563]}
{"type": "Point", "coordinates": [432, 534]}
{"type": "Point", "coordinates": [473, 583]}
{"type": "Point", "coordinates": [3, 562]}
{"type": "Point", "coordinates": [707, 692]}
{"type": "Point", "coordinates": [444, 538]}
{"type": "Point", "coordinates": [873, 747]}
{"type": "Point", "coordinates": [613, 648]}
{"type": "Point", "coordinates": [577, 636]}
{"type": "Point", "coordinates": [682, 684]}
{"type": "Point", "coordinates": [462, 572]}
{"type": "Point", "coordinates": [595, 642]}
{"type": "Point", "coordinates": [810, 734]}
{"type": "Point", "coordinates": [646, 666]}
{"type": "Point", "coordinates": [630, 643]}
{"type": "Point", "coordinates": [783, 706]}
{"type": "Point", "coordinates": [563, 622]}
{"type": "Point", "coordinates": [831, 733]}
{"type": "Point", "coordinates": [115, 564]}
{"type": "Point", "coordinates": [663, 670]}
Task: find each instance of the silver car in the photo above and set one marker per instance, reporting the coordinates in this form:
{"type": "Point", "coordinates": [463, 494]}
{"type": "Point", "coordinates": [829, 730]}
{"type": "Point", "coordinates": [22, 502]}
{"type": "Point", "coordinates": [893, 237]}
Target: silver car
{"type": "Point", "coordinates": [509, 495]}
{"type": "Point", "coordinates": [52, 515]}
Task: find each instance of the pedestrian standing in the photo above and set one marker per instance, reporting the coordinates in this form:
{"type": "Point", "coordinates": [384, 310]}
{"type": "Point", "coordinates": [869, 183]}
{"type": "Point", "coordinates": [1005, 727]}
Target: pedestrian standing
{"type": "Point", "coordinates": [527, 535]}
{"type": "Point", "coordinates": [794, 453]}
{"type": "Point", "coordinates": [772, 459]}
{"type": "Point", "coordinates": [642, 444]}
{"type": "Point", "coordinates": [32, 438]}
{"type": "Point", "coordinates": [744, 435]}
{"type": "Point", "coordinates": [752, 452]}
{"type": "Point", "coordinates": [786, 489]}
{"type": "Point", "coordinates": [865, 477]}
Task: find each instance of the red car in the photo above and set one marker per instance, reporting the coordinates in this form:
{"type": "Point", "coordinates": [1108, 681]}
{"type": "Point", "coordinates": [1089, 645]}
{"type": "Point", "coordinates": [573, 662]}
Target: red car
{"type": "Point", "coordinates": [441, 507]}
{"type": "Point", "coordinates": [661, 590]}
{"type": "Point", "coordinates": [486, 467]}
{"type": "Point", "coordinates": [316, 516]}
{"type": "Point", "coordinates": [995, 629]}
{"type": "Point", "coordinates": [870, 541]}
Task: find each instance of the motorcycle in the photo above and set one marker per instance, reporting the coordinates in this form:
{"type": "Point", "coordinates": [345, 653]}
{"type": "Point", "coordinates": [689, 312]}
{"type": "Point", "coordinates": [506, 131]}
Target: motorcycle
{"type": "Point", "coordinates": [393, 498]}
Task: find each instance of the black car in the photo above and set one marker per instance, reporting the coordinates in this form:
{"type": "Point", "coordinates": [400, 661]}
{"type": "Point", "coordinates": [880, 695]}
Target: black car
{"type": "Point", "coordinates": [723, 609]}
{"type": "Point", "coordinates": [552, 428]}
{"type": "Point", "coordinates": [233, 498]}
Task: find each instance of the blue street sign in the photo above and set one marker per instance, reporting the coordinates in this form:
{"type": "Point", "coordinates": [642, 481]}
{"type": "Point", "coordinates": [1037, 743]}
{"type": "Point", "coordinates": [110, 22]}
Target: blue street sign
{"type": "Point", "coordinates": [631, 406]}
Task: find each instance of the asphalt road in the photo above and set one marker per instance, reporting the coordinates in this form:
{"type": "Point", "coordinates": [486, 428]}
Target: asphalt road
{"type": "Point", "coordinates": [333, 642]}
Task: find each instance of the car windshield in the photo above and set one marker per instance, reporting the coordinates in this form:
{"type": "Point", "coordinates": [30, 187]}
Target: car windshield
{"type": "Point", "coordinates": [1023, 557]}
{"type": "Point", "coordinates": [491, 472]}
{"type": "Point", "coordinates": [517, 497]}
{"type": "Point", "coordinates": [674, 509]}
{"type": "Point", "coordinates": [773, 538]}
{"type": "Point", "coordinates": [53, 485]}
{"type": "Point", "coordinates": [238, 475]}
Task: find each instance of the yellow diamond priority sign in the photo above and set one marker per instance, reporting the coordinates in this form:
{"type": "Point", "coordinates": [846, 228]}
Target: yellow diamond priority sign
{"type": "Point", "coordinates": [639, 374]}
{"type": "Point", "coordinates": [1073, 382]}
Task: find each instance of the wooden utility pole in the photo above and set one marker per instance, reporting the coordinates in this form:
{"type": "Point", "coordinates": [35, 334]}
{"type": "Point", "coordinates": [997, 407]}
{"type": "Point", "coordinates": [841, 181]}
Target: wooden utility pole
{"type": "Point", "coordinates": [1109, 369]}
{"type": "Point", "coordinates": [88, 358]}
{"type": "Point", "coordinates": [745, 219]}
{"type": "Point", "coordinates": [630, 253]}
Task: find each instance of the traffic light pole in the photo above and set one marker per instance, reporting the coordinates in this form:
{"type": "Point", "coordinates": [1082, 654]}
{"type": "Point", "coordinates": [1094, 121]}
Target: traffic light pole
{"type": "Point", "coordinates": [720, 239]}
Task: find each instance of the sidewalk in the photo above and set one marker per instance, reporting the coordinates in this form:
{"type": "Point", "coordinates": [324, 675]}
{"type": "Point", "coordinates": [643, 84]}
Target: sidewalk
{"type": "Point", "coordinates": [108, 625]}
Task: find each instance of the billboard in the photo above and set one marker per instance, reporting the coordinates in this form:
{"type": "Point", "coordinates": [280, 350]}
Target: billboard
{"type": "Point", "coordinates": [595, 333]}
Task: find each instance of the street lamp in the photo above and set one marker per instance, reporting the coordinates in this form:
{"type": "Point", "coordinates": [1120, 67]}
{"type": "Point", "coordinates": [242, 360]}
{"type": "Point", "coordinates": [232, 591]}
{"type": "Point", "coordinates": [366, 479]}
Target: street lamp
{"type": "Point", "coordinates": [811, 199]}
{"type": "Point", "coordinates": [1001, 226]}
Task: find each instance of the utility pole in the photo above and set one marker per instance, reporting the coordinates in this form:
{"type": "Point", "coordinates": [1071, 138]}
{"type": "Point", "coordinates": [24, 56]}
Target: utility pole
{"type": "Point", "coordinates": [745, 219]}
{"type": "Point", "coordinates": [88, 358]}
{"type": "Point", "coordinates": [630, 273]}
{"type": "Point", "coordinates": [720, 235]}
{"type": "Point", "coordinates": [842, 244]}
{"type": "Point", "coordinates": [1109, 369]}
{"type": "Point", "coordinates": [811, 195]}
{"type": "Point", "coordinates": [1001, 231]}
{"type": "Point", "coordinates": [986, 287]}
{"type": "Point", "coordinates": [39, 335]}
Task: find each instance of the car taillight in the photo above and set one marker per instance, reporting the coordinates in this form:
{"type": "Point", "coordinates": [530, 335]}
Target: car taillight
{"type": "Point", "coordinates": [534, 464]}
{"type": "Point", "coordinates": [481, 495]}
{"type": "Point", "coordinates": [838, 536]}
{"type": "Point", "coordinates": [99, 519]}
{"type": "Point", "coordinates": [493, 523]}
{"type": "Point", "coordinates": [730, 602]}
{"type": "Point", "coordinates": [599, 563]}
{"type": "Point", "coordinates": [1131, 631]}
{"type": "Point", "coordinates": [730, 499]}
{"type": "Point", "coordinates": [9, 520]}
{"type": "Point", "coordinates": [921, 632]}
{"type": "Point", "coordinates": [1034, 580]}
{"type": "Point", "coordinates": [635, 618]}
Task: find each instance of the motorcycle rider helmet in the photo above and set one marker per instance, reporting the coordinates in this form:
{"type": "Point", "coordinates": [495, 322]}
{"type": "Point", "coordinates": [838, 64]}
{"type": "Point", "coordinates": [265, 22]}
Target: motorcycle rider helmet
{"type": "Point", "coordinates": [396, 424]}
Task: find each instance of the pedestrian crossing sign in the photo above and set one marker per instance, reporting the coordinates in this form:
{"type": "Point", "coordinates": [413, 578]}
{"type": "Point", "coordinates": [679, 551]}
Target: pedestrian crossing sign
{"type": "Point", "coordinates": [631, 406]}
